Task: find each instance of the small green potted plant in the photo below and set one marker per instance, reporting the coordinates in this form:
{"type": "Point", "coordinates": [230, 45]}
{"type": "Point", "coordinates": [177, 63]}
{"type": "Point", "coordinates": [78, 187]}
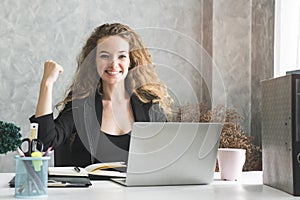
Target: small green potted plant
{"type": "Point", "coordinates": [10, 137]}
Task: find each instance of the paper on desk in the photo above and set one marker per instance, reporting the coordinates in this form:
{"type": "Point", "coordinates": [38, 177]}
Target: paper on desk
{"type": "Point", "coordinates": [67, 171]}
{"type": "Point", "coordinates": [94, 169]}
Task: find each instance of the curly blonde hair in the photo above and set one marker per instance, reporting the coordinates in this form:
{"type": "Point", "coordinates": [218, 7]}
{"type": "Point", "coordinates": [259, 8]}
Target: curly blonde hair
{"type": "Point", "coordinates": [142, 79]}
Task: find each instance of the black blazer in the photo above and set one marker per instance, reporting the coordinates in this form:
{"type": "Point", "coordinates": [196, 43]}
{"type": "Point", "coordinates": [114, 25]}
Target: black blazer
{"type": "Point", "coordinates": [74, 133]}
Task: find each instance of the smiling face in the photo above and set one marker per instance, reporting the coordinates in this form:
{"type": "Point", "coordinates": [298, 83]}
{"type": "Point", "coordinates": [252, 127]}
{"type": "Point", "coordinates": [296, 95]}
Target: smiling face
{"type": "Point", "coordinates": [112, 59]}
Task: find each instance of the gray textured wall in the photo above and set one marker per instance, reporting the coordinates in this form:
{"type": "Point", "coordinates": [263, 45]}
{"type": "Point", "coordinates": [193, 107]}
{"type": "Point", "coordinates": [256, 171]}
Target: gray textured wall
{"type": "Point", "coordinates": [232, 32]}
{"type": "Point", "coordinates": [262, 62]}
{"type": "Point", "coordinates": [243, 40]}
{"type": "Point", "coordinates": [33, 31]}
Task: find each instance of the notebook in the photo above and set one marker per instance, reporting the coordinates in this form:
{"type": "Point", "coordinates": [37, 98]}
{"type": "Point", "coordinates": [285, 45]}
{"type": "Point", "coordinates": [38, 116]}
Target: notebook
{"type": "Point", "coordinates": [62, 182]}
{"type": "Point", "coordinates": [171, 153]}
{"type": "Point", "coordinates": [97, 171]}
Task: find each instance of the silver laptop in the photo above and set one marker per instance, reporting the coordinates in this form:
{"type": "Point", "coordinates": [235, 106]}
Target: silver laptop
{"type": "Point", "coordinates": [171, 153]}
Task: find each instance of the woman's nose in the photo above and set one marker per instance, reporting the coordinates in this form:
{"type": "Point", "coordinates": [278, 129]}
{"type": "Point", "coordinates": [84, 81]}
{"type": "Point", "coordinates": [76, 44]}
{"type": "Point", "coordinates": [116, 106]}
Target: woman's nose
{"type": "Point", "coordinates": [114, 62]}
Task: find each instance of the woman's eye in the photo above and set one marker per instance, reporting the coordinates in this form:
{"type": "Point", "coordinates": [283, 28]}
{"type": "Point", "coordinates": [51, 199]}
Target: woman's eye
{"type": "Point", "coordinates": [122, 56]}
{"type": "Point", "coordinates": [104, 56]}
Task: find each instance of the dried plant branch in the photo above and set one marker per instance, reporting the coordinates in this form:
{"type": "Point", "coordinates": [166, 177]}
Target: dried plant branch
{"type": "Point", "coordinates": [232, 135]}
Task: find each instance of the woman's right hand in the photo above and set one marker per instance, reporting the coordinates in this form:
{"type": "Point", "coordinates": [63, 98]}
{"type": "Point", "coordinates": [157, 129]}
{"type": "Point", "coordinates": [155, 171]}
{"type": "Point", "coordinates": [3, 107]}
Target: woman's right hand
{"type": "Point", "coordinates": [51, 71]}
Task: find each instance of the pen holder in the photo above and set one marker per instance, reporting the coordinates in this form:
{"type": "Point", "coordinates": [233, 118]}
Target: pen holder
{"type": "Point", "coordinates": [30, 181]}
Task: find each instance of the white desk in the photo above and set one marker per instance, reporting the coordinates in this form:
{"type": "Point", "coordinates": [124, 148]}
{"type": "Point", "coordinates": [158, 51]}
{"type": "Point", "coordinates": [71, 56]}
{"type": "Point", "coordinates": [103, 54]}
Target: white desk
{"type": "Point", "coordinates": [249, 187]}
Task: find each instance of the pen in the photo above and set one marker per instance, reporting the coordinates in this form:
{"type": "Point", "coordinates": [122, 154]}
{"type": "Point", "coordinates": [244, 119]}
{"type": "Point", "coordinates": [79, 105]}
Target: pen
{"type": "Point", "coordinates": [20, 152]}
{"type": "Point", "coordinates": [47, 153]}
{"type": "Point", "coordinates": [77, 169]}
{"type": "Point", "coordinates": [33, 130]}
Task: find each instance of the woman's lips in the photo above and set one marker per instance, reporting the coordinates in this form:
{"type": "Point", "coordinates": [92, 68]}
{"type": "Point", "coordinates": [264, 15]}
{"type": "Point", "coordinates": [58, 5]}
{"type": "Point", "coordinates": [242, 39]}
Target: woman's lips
{"type": "Point", "coordinates": [112, 73]}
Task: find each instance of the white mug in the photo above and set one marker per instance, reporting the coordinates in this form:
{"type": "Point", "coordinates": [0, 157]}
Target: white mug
{"type": "Point", "coordinates": [231, 162]}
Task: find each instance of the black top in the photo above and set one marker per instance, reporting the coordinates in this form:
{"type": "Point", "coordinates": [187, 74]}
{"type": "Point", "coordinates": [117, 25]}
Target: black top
{"type": "Point", "coordinates": [113, 148]}
{"type": "Point", "coordinates": [75, 133]}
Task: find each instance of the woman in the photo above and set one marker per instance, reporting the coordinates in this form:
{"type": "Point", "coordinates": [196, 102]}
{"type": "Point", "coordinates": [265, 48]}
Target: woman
{"type": "Point", "coordinates": [114, 86]}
